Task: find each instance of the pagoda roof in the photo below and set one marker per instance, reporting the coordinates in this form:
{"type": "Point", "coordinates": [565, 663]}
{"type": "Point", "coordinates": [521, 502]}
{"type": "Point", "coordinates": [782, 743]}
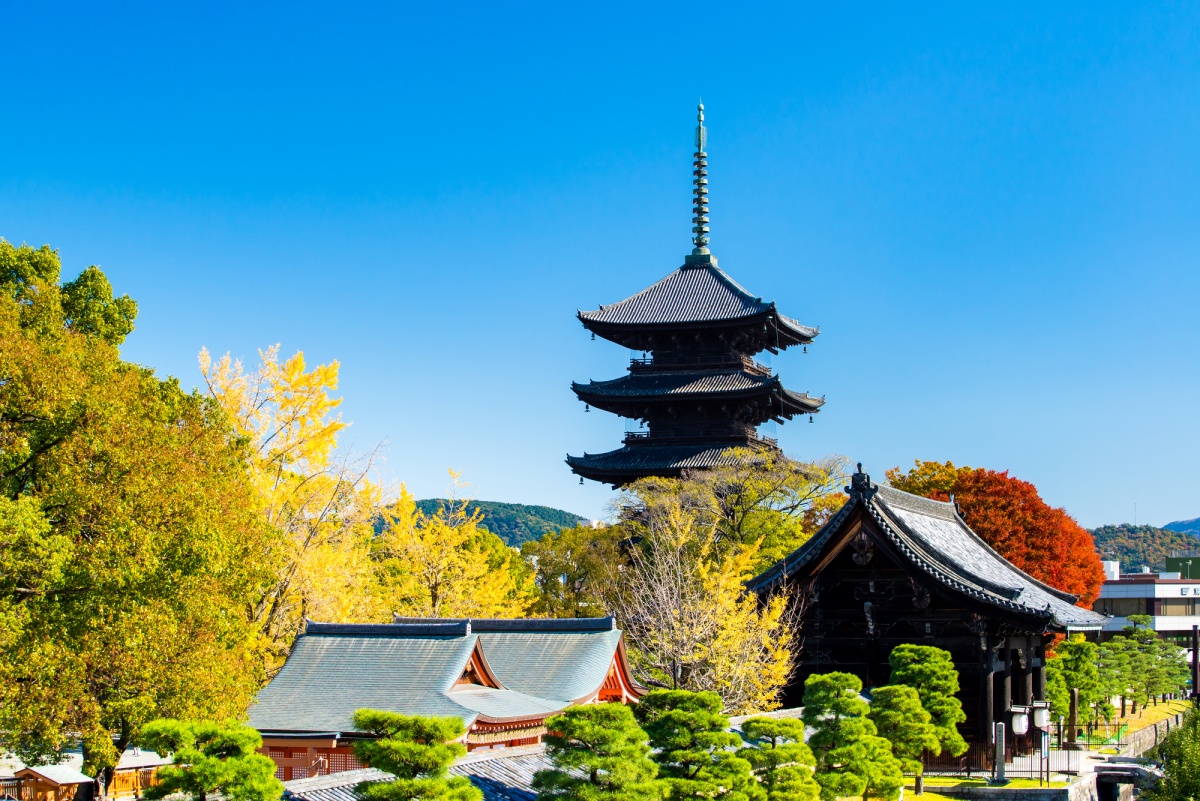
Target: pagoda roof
{"type": "Point", "coordinates": [695, 293]}
{"type": "Point", "coordinates": [624, 463]}
{"type": "Point", "coordinates": [684, 384]}
{"type": "Point", "coordinates": [932, 537]}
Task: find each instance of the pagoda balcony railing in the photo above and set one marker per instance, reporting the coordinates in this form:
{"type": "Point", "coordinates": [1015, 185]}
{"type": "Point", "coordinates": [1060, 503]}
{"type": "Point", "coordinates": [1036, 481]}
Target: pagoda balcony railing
{"type": "Point", "coordinates": [700, 360]}
{"type": "Point", "coordinates": [702, 435]}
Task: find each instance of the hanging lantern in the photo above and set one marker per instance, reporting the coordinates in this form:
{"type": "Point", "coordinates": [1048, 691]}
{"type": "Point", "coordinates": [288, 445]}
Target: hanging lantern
{"type": "Point", "coordinates": [1041, 717]}
{"type": "Point", "coordinates": [806, 348]}
{"type": "Point", "coordinates": [1020, 722]}
{"type": "Point", "coordinates": [587, 408]}
{"type": "Point", "coordinates": [810, 418]}
{"type": "Point", "coordinates": [581, 481]}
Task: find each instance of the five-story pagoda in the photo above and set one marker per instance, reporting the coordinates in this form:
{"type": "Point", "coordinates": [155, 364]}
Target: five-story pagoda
{"type": "Point", "coordinates": [699, 392]}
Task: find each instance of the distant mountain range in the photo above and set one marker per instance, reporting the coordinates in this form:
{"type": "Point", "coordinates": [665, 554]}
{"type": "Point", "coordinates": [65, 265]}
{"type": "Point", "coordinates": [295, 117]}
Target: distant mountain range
{"type": "Point", "coordinates": [515, 523]}
{"type": "Point", "coordinates": [1138, 546]}
{"type": "Point", "coordinates": [1186, 526]}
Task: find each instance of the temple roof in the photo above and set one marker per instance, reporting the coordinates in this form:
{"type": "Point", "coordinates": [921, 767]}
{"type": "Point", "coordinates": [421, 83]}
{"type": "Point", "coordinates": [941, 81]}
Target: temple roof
{"type": "Point", "coordinates": [695, 293]}
{"type": "Point", "coordinates": [414, 667]}
{"type": "Point", "coordinates": [683, 384]}
{"type": "Point", "coordinates": [938, 542]}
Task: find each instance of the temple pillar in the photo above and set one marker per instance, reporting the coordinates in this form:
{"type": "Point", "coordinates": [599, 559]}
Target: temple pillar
{"type": "Point", "coordinates": [987, 692]}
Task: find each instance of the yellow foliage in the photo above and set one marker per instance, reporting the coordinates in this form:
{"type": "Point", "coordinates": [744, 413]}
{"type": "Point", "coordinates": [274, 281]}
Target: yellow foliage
{"type": "Point", "coordinates": [321, 508]}
{"type": "Point", "coordinates": [446, 565]}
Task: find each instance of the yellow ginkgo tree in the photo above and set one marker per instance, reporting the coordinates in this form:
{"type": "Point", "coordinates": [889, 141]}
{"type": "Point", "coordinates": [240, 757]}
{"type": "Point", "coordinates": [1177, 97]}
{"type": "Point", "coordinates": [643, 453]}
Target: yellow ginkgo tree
{"type": "Point", "coordinates": [321, 504]}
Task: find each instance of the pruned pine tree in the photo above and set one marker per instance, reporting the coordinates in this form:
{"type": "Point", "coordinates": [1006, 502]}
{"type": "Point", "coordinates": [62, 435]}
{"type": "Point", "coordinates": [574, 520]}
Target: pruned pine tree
{"type": "Point", "coordinates": [930, 671]}
{"type": "Point", "coordinates": [781, 760]}
{"type": "Point", "coordinates": [696, 753]}
{"type": "Point", "coordinates": [210, 759]}
{"type": "Point", "coordinates": [852, 759]}
{"type": "Point", "coordinates": [600, 754]}
{"type": "Point", "coordinates": [897, 713]}
{"type": "Point", "coordinates": [416, 750]}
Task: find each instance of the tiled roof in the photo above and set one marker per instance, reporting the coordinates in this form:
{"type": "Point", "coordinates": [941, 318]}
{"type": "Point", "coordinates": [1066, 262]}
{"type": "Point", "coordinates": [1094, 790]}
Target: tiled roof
{"type": "Point", "coordinates": [412, 666]}
{"type": "Point", "coordinates": [677, 383]}
{"type": "Point", "coordinates": [58, 774]}
{"type": "Point", "coordinates": [693, 293]}
{"type": "Point", "coordinates": [502, 775]}
{"type": "Point", "coordinates": [654, 457]}
{"type": "Point", "coordinates": [938, 542]}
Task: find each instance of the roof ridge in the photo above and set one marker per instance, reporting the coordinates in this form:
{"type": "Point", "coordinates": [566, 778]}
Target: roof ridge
{"type": "Point", "coordinates": [446, 628]}
{"type": "Point", "coordinates": [530, 625]}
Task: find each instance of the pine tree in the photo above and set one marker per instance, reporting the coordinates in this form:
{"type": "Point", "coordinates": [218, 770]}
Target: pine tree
{"type": "Point", "coordinates": [210, 758]}
{"type": "Point", "coordinates": [417, 751]}
{"type": "Point", "coordinates": [851, 757]}
{"type": "Point", "coordinates": [693, 747]}
{"type": "Point", "coordinates": [897, 713]}
{"type": "Point", "coordinates": [931, 672]}
{"type": "Point", "coordinates": [601, 755]}
{"type": "Point", "coordinates": [781, 759]}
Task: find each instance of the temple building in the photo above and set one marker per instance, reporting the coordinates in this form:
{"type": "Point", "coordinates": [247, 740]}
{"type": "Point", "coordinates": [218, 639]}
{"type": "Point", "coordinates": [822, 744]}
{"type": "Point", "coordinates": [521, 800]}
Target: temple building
{"type": "Point", "coordinates": [502, 677]}
{"type": "Point", "coordinates": [891, 568]}
{"type": "Point", "coordinates": [697, 390]}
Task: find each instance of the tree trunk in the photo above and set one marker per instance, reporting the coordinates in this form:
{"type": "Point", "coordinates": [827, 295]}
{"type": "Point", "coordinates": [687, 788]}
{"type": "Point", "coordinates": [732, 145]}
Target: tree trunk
{"type": "Point", "coordinates": [919, 786]}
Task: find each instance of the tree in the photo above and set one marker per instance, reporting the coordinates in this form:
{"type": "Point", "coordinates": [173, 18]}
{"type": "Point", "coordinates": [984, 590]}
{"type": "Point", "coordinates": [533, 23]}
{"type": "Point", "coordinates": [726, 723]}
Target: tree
{"type": "Point", "coordinates": [930, 671]}
{"type": "Point", "coordinates": [781, 760]}
{"type": "Point", "coordinates": [897, 713]}
{"type": "Point", "coordinates": [1180, 756]}
{"type": "Point", "coordinates": [760, 499]}
{"type": "Point", "coordinates": [322, 507]}
{"type": "Point", "coordinates": [694, 748]}
{"type": "Point", "coordinates": [210, 759]}
{"type": "Point", "coordinates": [600, 754]}
{"type": "Point", "coordinates": [1011, 517]}
{"type": "Point", "coordinates": [569, 567]}
{"type": "Point", "coordinates": [687, 618]}
{"type": "Point", "coordinates": [129, 547]}
{"type": "Point", "coordinates": [851, 758]}
{"type": "Point", "coordinates": [1076, 661]}
{"type": "Point", "coordinates": [447, 565]}
{"type": "Point", "coordinates": [416, 750]}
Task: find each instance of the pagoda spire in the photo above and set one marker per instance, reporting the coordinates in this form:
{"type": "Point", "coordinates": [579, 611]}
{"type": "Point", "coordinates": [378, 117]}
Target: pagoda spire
{"type": "Point", "coordinates": [700, 188]}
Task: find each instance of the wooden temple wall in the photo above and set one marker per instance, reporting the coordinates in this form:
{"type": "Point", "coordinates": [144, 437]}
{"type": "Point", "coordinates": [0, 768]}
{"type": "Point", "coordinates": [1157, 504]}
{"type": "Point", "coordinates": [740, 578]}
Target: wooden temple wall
{"type": "Point", "coordinates": [854, 614]}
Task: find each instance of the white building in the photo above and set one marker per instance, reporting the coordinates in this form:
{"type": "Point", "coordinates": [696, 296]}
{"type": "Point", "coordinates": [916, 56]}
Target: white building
{"type": "Point", "coordinates": [1173, 603]}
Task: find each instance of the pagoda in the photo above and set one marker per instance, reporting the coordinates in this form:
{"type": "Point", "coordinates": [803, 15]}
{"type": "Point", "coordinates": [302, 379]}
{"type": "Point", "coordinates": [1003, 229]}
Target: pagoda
{"type": "Point", "coordinates": [698, 390]}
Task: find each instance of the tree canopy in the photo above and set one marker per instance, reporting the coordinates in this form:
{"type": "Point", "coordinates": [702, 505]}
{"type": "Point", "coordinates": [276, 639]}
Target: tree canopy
{"type": "Point", "coordinates": [1011, 516]}
{"type": "Point", "coordinates": [780, 758]}
{"type": "Point", "coordinates": [852, 759]}
{"type": "Point", "coordinates": [131, 548]}
{"type": "Point", "coordinates": [600, 754]}
{"type": "Point", "coordinates": [418, 751]}
{"type": "Point", "coordinates": [210, 759]}
{"type": "Point", "coordinates": [930, 671]}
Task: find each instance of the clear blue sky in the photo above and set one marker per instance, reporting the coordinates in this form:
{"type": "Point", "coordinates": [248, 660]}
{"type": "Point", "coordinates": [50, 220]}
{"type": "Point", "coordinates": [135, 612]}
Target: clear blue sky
{"type": "Point", "coordinates": [992, 211]}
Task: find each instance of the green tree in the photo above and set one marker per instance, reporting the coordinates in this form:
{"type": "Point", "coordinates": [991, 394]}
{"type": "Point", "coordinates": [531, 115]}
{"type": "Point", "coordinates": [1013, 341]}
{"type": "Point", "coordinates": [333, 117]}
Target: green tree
{"type": "Point", "coordinates": [600, 754]}
{"type": "Point", "coordinates": [930, 671]}
{"type": "Point", "coordinates": [1077, 661]}
{"type": "Point", "coordinates": [781, 760]}
{"type": "Point", "coordinates": [852, 758]}
{"type": "Point", "coordinates": [131, 549]}
{"type": "Point", "coordinates": [1112, 668]}
{"type": "Point", "coordinates": [1180, 756]}
{"type": "Point", "coordinates": [569, 568]}
{"type": "Point", "coordinates": [210, 758]}
{"type": "Point", "coordinates": [897, 713]}
{"type": "Point", "coordinates": [417, 751]}
{"type": "Point", "coordinates": [693, 747]}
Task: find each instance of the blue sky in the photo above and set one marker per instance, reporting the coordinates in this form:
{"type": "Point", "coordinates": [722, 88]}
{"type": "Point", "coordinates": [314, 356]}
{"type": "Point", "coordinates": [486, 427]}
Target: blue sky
{"type": "Point", "coordinates": [991, 211]}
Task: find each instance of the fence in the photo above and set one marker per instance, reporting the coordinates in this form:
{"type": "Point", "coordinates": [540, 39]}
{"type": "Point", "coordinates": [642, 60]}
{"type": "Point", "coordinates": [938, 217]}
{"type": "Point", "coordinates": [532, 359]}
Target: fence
{"type": "Point", "coordinates": [1029, 757]}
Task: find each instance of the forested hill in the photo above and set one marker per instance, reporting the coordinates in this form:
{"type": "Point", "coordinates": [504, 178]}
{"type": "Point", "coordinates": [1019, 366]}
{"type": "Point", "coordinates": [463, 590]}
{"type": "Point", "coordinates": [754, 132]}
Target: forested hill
{"type": "Point", "coordinates": [1185, 526]}
{"type": "Point", "coordinates": [1135, 546]}
{"type": "Point", "coordinates": [515, 523]}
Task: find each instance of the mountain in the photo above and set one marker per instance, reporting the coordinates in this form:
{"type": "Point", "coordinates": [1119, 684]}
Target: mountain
{"type": "Point", "coordinates": [1138, 546]}
{"type": "Point", "coordinates": [515, 523]}
{"type": "Point", "coordinates": [1185, 526]}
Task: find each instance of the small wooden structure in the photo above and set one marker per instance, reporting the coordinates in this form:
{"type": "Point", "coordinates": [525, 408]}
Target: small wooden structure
{"type": "Point", "coordinates": [54, 783]}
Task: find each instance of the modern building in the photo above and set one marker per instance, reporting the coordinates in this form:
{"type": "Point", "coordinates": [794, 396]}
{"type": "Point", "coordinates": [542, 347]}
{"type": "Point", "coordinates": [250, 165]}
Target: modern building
{"type": "Point", "coordinates": [891, 568]}
{"type": "Point", "coordinates": [696, 390]}
{"type": "Point", "coordinates": [1172, 602]}
{"type": "Point", "coordinates": [502, 677]}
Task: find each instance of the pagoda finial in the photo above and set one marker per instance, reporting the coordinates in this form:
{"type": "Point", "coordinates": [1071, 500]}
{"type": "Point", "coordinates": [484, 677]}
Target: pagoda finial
{"type": "Point", "coordinates": [700, 188]}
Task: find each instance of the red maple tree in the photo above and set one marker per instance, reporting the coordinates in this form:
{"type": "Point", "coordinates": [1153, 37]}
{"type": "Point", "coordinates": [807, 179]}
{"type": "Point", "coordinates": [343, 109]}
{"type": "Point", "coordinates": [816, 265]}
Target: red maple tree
{"type": "Point", "coordinates": [1009, 515]}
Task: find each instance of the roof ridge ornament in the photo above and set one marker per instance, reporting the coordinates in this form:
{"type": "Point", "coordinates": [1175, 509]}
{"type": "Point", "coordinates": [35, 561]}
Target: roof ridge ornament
{"type": "Point", "coordinates": [700, 253]}
{"type": "Point", "coordinates": [861, 487]}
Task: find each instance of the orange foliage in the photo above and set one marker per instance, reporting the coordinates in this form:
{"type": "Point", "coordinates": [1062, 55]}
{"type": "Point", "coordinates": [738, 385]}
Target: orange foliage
{"type": "Point", "coordinates": [1009, 515]}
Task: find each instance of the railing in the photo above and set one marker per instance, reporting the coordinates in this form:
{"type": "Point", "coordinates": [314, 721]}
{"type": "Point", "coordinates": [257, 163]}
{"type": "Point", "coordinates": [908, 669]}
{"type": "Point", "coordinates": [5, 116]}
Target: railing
{"type": "Point", "coordinates": [701, 360]}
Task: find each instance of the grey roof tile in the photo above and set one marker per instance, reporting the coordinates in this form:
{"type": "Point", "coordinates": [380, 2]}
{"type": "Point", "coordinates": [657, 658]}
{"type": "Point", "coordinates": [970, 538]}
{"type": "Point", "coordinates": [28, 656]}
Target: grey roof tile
{"type": "Point", "coordinates": [693, 293]}
{"type": "Point", "coordinates": [655, 457]}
